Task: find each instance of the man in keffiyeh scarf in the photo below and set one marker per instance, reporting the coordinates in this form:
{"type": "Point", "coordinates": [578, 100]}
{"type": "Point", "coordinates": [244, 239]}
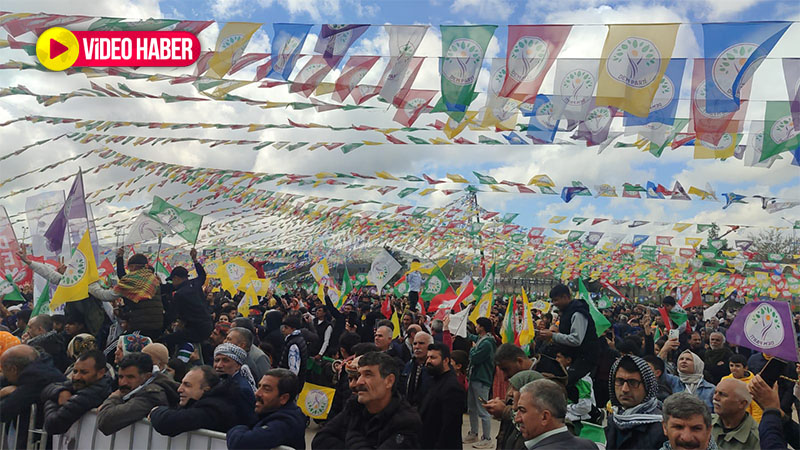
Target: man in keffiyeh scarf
{"type": "Point", "coordinates": [636, 421]}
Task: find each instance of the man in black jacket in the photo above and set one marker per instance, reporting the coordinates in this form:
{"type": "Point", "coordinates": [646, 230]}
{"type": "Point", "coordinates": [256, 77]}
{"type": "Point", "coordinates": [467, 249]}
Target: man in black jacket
{"type": "Point", "coordinates": [442, 409]}
{"type": "Point", "coordinates": [44, 338]}
{"type": "Point", "coordinates": [205, 402]}
{"type": "Point", "coordinates": [188, 300]}
{"type": "Point", "coordinates": [68, 401]}
{"type": "Point", "coordinates": [378, 417]}
{"type": "Point", "coordinates": [26, 372]}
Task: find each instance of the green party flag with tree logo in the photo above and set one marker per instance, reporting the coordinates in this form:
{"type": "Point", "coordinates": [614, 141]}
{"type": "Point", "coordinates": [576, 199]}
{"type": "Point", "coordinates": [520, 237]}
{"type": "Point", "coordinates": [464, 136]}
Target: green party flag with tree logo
{"type": "Point", "coordinates": [184, 223]}
{"type": "Point", "coordinates": [779, 131]}
{"type": "Point", "coordinates": [347, 288]}
{"type": "Point", "coordinates": [42, 305]}
{"type": "Point", "coordinates": [601, 324]}
{"type": "Point", "coordinates": [9, 290]}
{"type": "Point", "coordinates": [463, 48]}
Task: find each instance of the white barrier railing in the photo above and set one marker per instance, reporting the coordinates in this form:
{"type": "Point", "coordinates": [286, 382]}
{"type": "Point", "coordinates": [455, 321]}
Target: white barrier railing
{"type": "Point", "coordinates": [84, 435]}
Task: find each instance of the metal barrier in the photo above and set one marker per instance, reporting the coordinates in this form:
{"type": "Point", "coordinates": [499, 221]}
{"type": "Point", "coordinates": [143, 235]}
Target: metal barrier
{"type": "Point", "coordinates": [84, 435]}
{"type": "Point", "coordinates": [10, 439]}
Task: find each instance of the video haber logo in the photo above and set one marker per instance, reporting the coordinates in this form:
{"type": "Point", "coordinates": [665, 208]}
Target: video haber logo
{"type": "Point", "coordinates": [59, 48]}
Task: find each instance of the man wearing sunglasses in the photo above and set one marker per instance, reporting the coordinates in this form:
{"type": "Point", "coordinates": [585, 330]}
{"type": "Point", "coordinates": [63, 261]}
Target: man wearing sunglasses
{"type": "Point", "coordinates": [636, 421]}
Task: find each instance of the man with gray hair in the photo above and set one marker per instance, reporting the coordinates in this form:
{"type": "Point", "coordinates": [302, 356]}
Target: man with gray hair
{"type": "Point", "coordinates": [731, 426]}
{"type": "Point", "coordinates": [687, 423]}
{"type": "Point", "coordinates": [415, 379]}
{"type": "Point", "coordinates": [540, 416]}
{"type": "Point", "coordinates": [716, 358]}
{"type": "Point", "coordinates": [256, 360]}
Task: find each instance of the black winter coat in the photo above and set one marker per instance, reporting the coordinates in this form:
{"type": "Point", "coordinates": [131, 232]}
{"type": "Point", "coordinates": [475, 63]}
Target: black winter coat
{"type": "Point", "coordinates": [58, 419]}
{"type": "Point", "coordinates": [442, 412]}
{"type": "Point", "coordinates": [214, 411]}
{"type": "Point", "coordinates": [54, 344]}
{"type": "Point", "coordinates": [649, 435]}
{"type": "Point", "coordinates": [398, 426]}
{"type": "Point", "coordinates": [286, 426]}
{"type": "Point", "coordinates": [32, 380]}
{"type": "Point", "coordinates": [190, 304]}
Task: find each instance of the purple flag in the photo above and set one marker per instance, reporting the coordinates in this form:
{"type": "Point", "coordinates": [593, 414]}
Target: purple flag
{"type": "Point", "coordinates": [335, 40]}
{"type": "Point", "coordinates": [765, 327]}
{"type": "Point", "coordinates": [791, 73]}
{"type": "Point", "coordinates": [74, 208]}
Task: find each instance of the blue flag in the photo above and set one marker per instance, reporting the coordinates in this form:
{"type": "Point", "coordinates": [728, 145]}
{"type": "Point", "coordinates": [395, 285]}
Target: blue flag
{"type": "Point", "coordinates": [286, 45]}
{"type": "Point", "coordinates": [568, 193]}
{"type": "Point", "coordinates": [665, 101]}
{"type": "Point", "coordinates": [733, 52]}
{"type": "Point", "coordinates": [639, 239]}
{"type": "Point", "coordinates": [542, 128]}
{"type": "Point", "coordinates": [514, 139]}
{"type": "Point", "coordinates": [731, 198]}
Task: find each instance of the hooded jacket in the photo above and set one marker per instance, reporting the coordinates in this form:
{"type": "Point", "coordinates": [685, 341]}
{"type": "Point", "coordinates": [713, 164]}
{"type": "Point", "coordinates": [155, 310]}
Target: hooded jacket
{"type": "Point", "coordinates": [285, 426]}
{"type": "Point", "coordinates": [54, 344]}
{"type": "Point", "coordinates": [116, 413]}
{"type": "Point", "coordinates": [213, 411]}
{"type": "Point", "coordinates": [640, 426]}
{"type": "Point", "coordinates": [398, 426]}
{"type": "Point", "coordinates": [58, 419]}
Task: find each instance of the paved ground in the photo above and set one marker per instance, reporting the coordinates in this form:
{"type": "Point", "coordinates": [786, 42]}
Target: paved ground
{"type": "Point", "coordinates": [313, 428]}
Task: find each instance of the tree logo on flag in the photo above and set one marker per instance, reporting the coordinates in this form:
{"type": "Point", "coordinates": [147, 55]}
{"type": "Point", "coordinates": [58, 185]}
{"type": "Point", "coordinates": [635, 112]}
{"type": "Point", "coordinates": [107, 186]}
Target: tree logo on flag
{"type": "Point", "coordinates": [316, 402]}
{"type": "Point", "coordinates": [235, 272]}
{"type": "Point", "coordinates": [338, 43]}
{"type": "Point", "coordinates": [664, 94]}
{"type": "Point", "coordinates": [728, 64]}
{"type": "Point", "coordinates": [147, 230]}
{"type": "Point", "coordinates": [527, 56]}
{"type": "Point", "coordinates": [286, 53]}
{"type": "Point", "coordinates": [487, 288]}
{"type": "Point", "coordinates": [700, 103]}
{"type": "Point", "coordinates": [577, 87]}
{"type": "Point", "coordinates": [782, 130]}
{"type": "Point", "coordinates": [355, 78]}
{"type": "Point", "coordinates": [545, 115]}
{"type": "Point", "coordinates": [462, 61]}
{"type": "Point", "coordinates": [170, 218]}
{"type": "Point", "coordinates": [76, 269]}
{"type": "Point", "coordinates": [635, 61]}
{"type": "Point", "coordinates": [496, 82]}
{"type": "Point", "coordinates": [598, 118]}
{"type": "Point", "coordinates": [412, 106]}
{"type": "Point", "coordinates": [309, 71]}
{"type": "Point", "coordinates": [434, 285]}
{"type": "Point", "coordinates": [212, 267]}
{"type": "Point", "coordinates": [763, 327]}
{"type": "Point", "coordinates": [402, 289]}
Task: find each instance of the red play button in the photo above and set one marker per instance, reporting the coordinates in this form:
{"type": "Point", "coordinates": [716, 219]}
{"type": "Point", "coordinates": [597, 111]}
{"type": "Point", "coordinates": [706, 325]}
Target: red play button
{"type": "Point", "coordinates": [56, 48]}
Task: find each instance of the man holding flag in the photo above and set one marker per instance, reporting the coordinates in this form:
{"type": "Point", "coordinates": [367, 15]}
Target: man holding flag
{"type": "Point", "coordinates": [189, 302]}
{"type": "Point", "coordinates": [577, 333]}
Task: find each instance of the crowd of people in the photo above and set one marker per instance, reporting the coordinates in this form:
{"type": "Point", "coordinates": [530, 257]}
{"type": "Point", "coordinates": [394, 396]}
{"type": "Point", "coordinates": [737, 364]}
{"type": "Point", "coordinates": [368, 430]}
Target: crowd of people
{"type": "Point", "coordinates": [181, 355]}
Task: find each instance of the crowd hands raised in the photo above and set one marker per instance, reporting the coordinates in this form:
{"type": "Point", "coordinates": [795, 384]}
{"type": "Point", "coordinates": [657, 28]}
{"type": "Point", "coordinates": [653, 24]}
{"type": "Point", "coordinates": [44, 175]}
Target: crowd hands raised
{"type": "Point", "coordinates": [185, 358]}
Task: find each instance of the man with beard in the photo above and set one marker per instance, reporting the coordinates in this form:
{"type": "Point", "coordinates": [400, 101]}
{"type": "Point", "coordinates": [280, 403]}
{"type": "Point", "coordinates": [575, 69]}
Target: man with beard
{"type": "Point", "coordinates": [377, 417]}
{"type": "Point", "coordinates": [636, 422]}
{"type": "Point", "coordinates": [687, 423]}
{"type": "Point", "coordinates": [140, 390]}
{"type": "Point", "coordinates": [66, 402]}
{"type": "Point", "coordinates": [229, 363]}
{"type": "Point", "coordinates": [442, 409]}
{"type": "Point", "coordinates": [415, 379]}
{"type": "Point", "coordinates": [280, 420]}
{"type": "Point", "coordinates": [716, 358]}
{"type": "Point", "coordinates": [205, 402]}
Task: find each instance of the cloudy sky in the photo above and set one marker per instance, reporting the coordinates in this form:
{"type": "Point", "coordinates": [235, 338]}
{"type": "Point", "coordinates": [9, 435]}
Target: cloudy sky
{"type": "Point", "coordinates": [563, 163]}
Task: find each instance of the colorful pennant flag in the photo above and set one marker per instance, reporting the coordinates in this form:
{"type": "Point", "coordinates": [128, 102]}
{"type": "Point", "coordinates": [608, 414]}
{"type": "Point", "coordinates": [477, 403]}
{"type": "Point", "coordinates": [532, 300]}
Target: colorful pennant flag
{"type": "Point", "coordinates": [463, 48]}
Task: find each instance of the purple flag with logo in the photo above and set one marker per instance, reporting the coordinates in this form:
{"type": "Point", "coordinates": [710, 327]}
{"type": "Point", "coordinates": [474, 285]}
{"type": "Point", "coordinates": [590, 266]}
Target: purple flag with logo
{"type": "Point", "coordinates": [74, 208]}
{"type": "Point", "coordinates": [765, 327]}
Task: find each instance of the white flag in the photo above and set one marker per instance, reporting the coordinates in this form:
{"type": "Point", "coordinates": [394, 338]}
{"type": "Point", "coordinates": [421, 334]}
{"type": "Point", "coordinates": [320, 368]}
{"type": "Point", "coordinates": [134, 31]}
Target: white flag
{"type": "Point", "coordinates": [575, 83]}
{"type": "Point", "coordinates": [712, 311]}
{"type": "Point", "coordinates": [144, 229]}
{"type": "Point", "coordinates": [383, 269]}
{"type": "Point", "coordinates": [458, 322]}
{"type": "Point", "coordinates": [403, 43]}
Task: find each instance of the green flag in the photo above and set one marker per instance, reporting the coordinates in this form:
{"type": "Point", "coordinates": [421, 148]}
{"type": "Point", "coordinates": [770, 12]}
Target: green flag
{"type": "Point", "coordinates": [463, 48]}
{"type": "Point", "coordinates": [678, 315]}
{"type": "Point", "coordinates": [181, 222]}
{"type": "Point", "coordinates": [9, 290]}
{"type": "Point", "coordinates": [485, 179]}
{"type": "Point", "coordinates": [601, 324]}
{"type": "Point", "coordinates": [401, 288]}
{"type": "Point", "coordinates": [779, 135]}
{"type": "Point", "coordinates": [435, 285]}
{"type": "Point", "coordinates": [42, 305]}
{"type": "Point", "coordinates": [347, 287]}
{"type": "Point", "coordinates": [361, 281]}
{"type": "Point", "coordinates": [161, 271]}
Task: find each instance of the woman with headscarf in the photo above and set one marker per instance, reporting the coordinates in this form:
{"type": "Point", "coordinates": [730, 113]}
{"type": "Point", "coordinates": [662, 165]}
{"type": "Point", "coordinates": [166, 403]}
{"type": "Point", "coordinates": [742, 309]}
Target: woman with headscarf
{"type": "Point", "coordinates": [690, 378]}
{"type": "Point", "coordinates": [130, 343]}
{"type": "Point", "coordinates": [509, 436]}
{"type": "Point", "coordinates": [636, 419]}
{"type": "Point", "coordinates": [79, 345]}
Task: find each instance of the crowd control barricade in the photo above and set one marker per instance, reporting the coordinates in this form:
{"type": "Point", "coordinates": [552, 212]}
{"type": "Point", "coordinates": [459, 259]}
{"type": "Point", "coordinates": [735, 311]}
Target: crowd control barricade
{"type": "Point", "coordinates": [141, 435]}
{"type": "Point", "coordinates": [10, 436]}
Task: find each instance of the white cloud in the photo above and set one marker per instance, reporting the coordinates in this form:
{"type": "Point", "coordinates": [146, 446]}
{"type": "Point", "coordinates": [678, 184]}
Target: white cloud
{"type": "Point", "coordinates": [724, 9]}
{"type": "Point", "coordinates": [485, 9]}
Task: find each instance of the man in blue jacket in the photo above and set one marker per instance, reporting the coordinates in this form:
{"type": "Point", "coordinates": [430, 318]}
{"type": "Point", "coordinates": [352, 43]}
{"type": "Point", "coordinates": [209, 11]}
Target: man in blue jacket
{"type": "Point", "coordinates": [280, 420]}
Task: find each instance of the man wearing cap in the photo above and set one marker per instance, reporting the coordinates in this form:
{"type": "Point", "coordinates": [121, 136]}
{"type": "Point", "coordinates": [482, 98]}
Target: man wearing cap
{"type": "Point", "coordinates": [229, 363]}
{"type": "Point", "coordinates": [188, 301]}
{"type": "Point", "coordinates": [295, 351]}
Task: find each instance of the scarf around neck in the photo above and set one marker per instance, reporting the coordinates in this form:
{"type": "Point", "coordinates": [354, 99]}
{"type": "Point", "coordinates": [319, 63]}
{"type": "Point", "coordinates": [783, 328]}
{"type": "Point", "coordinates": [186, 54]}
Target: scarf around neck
{"type": "Point", "coordinates": [692, 380]}
{"type": "Point", "coordinates": [649, 411]}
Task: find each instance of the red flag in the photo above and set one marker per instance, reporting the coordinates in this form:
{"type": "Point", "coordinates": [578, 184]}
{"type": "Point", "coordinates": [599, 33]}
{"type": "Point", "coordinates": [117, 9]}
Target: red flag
{"type": "Point", "coordinates": [386, 308]}
{"type": "Point", "coordinates": [665, 318]}
{"type": "Point", "coordinates": [106, 268]}
{"type": "Point", "coordinates": [414, 103]}
{"type": "Point", "coordinates": [692, 298]}
{"type": "Point", "coordinates": [352, 74]}
{"type": "Point", "coordinates": [611, 288]}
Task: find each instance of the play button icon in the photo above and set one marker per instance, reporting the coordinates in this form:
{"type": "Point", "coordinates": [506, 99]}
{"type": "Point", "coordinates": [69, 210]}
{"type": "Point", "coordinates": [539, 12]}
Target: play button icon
{"type": "Point", "coordinates": [57, 48]}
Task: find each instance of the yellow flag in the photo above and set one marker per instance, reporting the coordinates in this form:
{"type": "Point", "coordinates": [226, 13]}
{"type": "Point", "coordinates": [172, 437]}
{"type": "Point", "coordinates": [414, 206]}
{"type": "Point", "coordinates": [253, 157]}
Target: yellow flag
{"type": "Point", "coordinates": [634, 60]}
{"type": "Point", "coordinates": [231, 42]}
{"type": "Point", "coordinates": [233, 272]}
{"type": "Point", "coordinates": [528, 331]}
{"type": "Point", "coordinates": [315, 401]}
{"type": "Point", "coordinates": [249, 299]}
{"type": "Point", "coordinates": [456, 178]}
{"type": "Point", "coordinates": [694, 242]}
{"type": "Point", "coordinates": [396, 323]}
{"type": "Point", "coordinates": [453, 128]}
{"type": "Point", "coordinates": [723, 149]}
{"type": "Point", "coordinates": [681, 226]}
{"type": "Point", "coordinates": [81, 272]}
{"type": "Point", "coordinates": [483, 308]}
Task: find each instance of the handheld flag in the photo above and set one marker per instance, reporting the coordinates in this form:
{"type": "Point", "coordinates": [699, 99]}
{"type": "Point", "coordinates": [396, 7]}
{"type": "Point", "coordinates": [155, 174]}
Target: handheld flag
{"type": "Point", "coordinates": [528, 331]}
{"type": "Point", "coordinates": [484, 296]}
{"type": "Point", "coordinates": [347, 288]}
{"type": "Point", "coordinates": [508, 333]}
{"type": "Point", "coordinates": [42, 305]}
{"type": "Point", "coordinates": [383, 268]}
{"type": "Point", "coordinates": [9, 290]}
{"type": "Point", "coordinates": [181, 222]}
{"type": "Point", "coordinates": [765, 327]}
{"type": "Point", "coordinates": [81, 272]}
{"type": "Point", "coordinates": [250, 299]}
{"type": "Point", "coordinates": [315, 401]}
{"type": "Point", "coordinates": [601, 324]}
{"type": "Point", "coordinates": [692, 298]}
{"type": "Point", "coordinates": [437, 289]}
